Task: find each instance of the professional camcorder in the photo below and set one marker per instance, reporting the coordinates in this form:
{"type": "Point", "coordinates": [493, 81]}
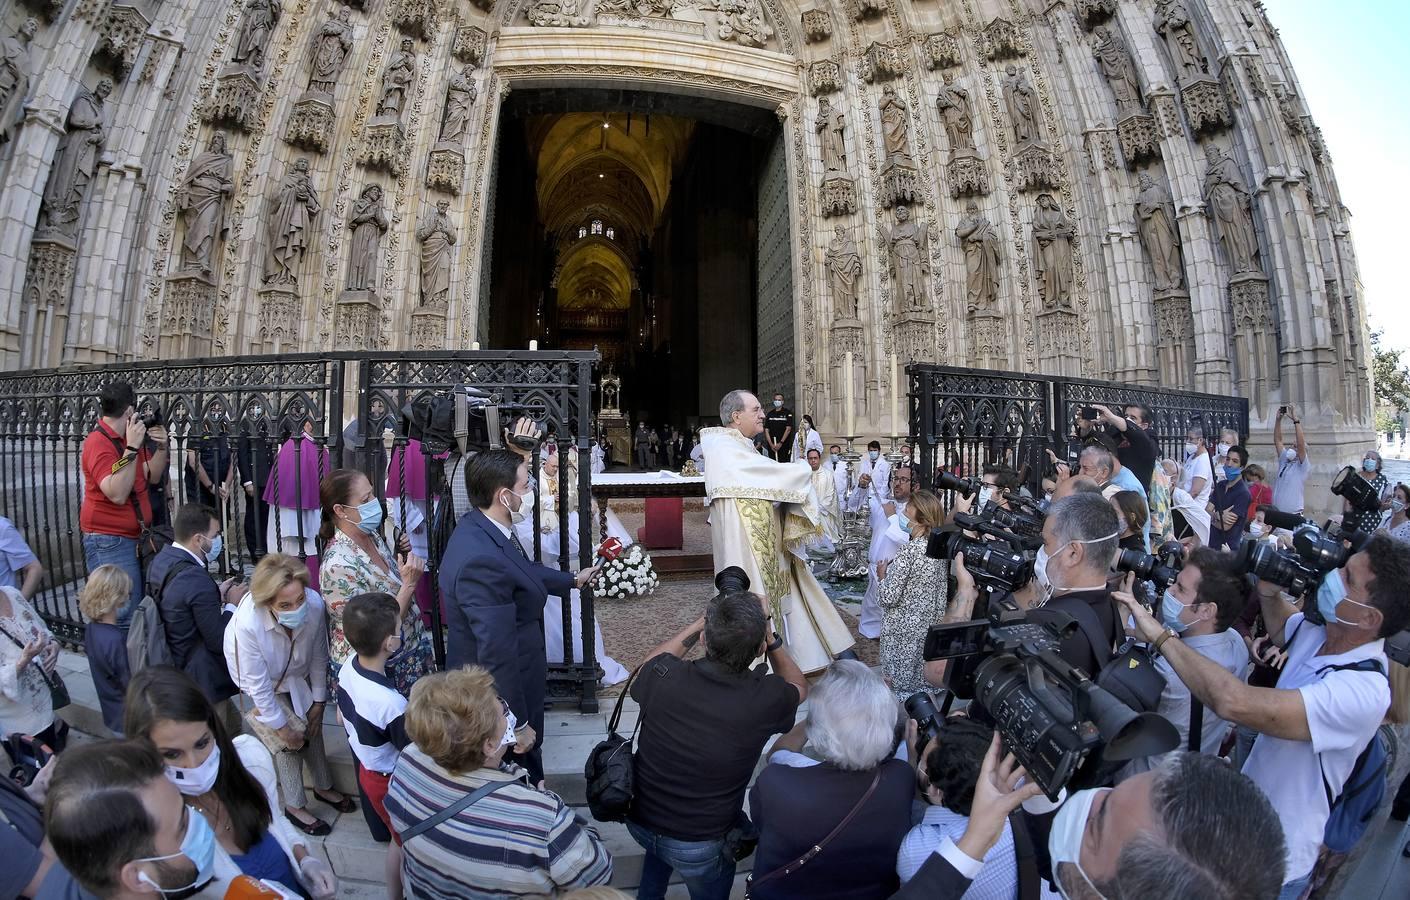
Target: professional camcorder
{"type": "Point", "coordinates": [1052, 716]}
{"type": "Point", "coordinates": [1357, 491]}
{"type": "Point", "coordinates": [1315, 552]}
{"type": "Point", "coordinates": [999, 566]}
{"type": "Point", "coordinates": [465, 418]}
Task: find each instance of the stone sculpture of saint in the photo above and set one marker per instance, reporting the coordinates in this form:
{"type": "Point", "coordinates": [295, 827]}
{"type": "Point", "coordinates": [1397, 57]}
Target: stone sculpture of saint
{"type": "Point", "coordinates": [437, 236]}
{"type": "Point", "coordinates": [460, 100]}
{"type": "Point", "coordinates": [328, 51]}
{"type": "Point", "coordinates": [910, 260]}
{"type": "Point", "coordinates": [201, 201]}
{"type": "Point", "coordinates": [982, 259]}
{"type": "Point", "coordinates": [844, 269]}
{"type": "Point", "coordinates": [831, 127]}
{"type": "Point", "coordinates": [368, 222]}
{"type": "Point", "coordinates": [893, 125]}
{"type": "Point", "coordinates": [1114, 59]}
{"type": "Point", "coordinates": [75, 160]}
{"type": "Point", "coordinates": [1155, 214]}
{"type": "Point", "coordinates": [1172, 20]}
{"type": "Point", "coordinates": [14, 68]}
{"type": "Point", "coordinates": [396, 78]}
{"type": "Point", "coordinates": [1052, 253]}
{"type": "Point", "coordinates": [255, 29]}
{"type": "Point", "coordinates": [1232, 208]}
{"type": "Point", "coordinates": [743, 22]}
{"type": "Point", "coordinates": [953, 106]}
{"type": "Point", "coordinates": [289, 225]}
{"type": "Point", "coordinates": [1022, 103]}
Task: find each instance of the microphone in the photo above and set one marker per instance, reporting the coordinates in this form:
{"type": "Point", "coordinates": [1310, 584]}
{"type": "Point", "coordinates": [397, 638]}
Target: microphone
{"type": "Point", "coordinates": [1275, 518]}
{"type": "Point", "coordinates": [608, 550]}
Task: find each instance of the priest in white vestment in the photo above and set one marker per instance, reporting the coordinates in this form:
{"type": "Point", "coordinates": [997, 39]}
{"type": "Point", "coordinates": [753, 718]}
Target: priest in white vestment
{"type": "Point", "coordinates": [826, 487]}
{"type": "Point", "coordinates": [762, 515]}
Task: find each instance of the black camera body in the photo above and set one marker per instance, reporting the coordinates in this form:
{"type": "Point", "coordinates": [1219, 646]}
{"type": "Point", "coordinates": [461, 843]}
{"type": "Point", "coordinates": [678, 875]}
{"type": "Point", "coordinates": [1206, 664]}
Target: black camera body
{"type": "Point", "coordinates": [1160, 570]}
{"type": "Point", "coordinates": [1316, 551]}
{"type": "Point", "coordinates": [967, 487]}
{"type": "Point", "coordinates": [463, 418]}
{"type": "Point", "coordinates": [998, 566]}
{"type": "Point", "coordinates": [1355, 490]}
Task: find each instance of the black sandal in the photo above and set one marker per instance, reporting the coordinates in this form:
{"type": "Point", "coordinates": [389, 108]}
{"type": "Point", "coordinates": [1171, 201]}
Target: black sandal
{"type": "Point", "coordinates": [345, 805]}
{"type": "Point", "coordinates": [318, 828]}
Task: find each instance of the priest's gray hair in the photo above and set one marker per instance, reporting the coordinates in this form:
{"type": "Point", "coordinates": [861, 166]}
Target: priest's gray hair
{"type": "Point", "coordinates": [852, 717]}
{"type": "Point", "coordinates": [733, 403]}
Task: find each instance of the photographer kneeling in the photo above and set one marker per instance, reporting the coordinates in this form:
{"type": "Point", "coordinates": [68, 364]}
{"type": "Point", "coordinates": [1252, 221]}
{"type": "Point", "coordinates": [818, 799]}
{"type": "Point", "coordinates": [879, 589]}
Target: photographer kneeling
{"type": "Point", "coordinates": [1330, 698]}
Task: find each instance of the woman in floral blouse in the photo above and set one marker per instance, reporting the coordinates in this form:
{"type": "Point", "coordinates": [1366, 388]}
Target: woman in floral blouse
{"type": "Point", "coordinates": [356, 560]}
{"type": "Point", "coordinates": [28, 655]}
{"type": "Point", "coordinates": [914, 592]}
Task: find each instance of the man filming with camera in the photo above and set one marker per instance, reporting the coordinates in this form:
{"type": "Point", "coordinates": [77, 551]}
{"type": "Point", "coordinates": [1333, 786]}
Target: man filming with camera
{"type": "Point", "coordinates": [1329, 699]}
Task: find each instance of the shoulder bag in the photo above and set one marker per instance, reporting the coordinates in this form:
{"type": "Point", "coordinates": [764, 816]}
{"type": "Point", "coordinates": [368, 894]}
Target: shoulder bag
{"type": "Point", "coordinates": [151, 539]}
{"type": "Point", "coordinates": [454, 809]}
{"type": "Point", "coordinates": [817, 848]}
{"type": "Point", "coordinates": [58, 691]}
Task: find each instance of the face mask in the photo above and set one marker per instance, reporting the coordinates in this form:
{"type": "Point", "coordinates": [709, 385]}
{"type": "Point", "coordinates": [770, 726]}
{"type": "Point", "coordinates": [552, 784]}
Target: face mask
{"type": "Point", "coordinates": [778, 404]}
{"type": "Point", "coordinates": [833, 458]}
{"type": "Point", "coordinates": [1368, 465]}
{"type": "Point", "coordinates": [874, 455]}
{"type": "Point", "coordinates": [1232, 472]}
{"type": "Point", "coordinates": [509, 740]}
{"type": "Point", "coordinates": [1222, 449]}
{"type": "Point", "coordinates": [194, 782]}
{"type": "Point", "coordinates": [1290, 454]}
{"type": "Point", "coordinates": [1191, 449]}
{"type": "Point", "coordinates": [370, 513]}
{"type": "Point", "coordinates": [1170, 610]}
{"type": "Point", "coordinates": [217, 545]}
{"type": "Point", "coordinates": [198, 845]}
{"type": "Point", "coordinates": [292, 618]}
{"type": "Point", "coordinates": [1040, 564]}
{"type": "Point", "coordinates": [902, 522]}
{"type": "Point", "coordinates": [1065, 840]}
{"type": "Point", "coordinates": [985, 495]}
{"type": "Point", "coordinates": [1255, 530]}
{"type": "Point", "coordinates": [518, 515]}
{"type": "Point", "coordinates": [1396, 505]}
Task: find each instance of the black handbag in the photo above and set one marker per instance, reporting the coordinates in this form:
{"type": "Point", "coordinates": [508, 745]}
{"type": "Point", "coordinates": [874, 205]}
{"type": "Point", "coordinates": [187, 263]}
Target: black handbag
{"type": "Point", "coordinates": [151, 539]}
{"type": "Point", "coordinates": [610, 770]}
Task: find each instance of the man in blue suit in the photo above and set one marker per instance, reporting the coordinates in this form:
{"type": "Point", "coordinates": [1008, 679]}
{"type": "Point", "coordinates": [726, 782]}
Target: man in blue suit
{"type": "Point", "coordinates": [495, 596]}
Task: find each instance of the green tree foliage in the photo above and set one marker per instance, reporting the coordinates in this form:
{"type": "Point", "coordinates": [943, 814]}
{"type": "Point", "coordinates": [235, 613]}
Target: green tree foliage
{"type": "Point", "coordinates": [1392, 378]}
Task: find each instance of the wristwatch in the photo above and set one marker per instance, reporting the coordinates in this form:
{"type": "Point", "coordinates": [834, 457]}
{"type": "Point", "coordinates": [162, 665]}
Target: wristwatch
{"type": "Point", "coordinates": [1165, 635]}
{"type": "Point", "coordinates": [775, 644]}
{"type": "Point", "coordinates": [132, 449]}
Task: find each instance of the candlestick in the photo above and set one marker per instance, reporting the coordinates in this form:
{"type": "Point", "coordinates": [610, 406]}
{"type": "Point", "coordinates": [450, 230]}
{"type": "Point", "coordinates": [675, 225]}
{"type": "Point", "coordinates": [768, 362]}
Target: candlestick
{"type": "Point", "coordinates": [851, 405]}
{"type": "Point", "coordinates": [474, 345]}
{"type": "Point", "coordinates": [533, 345]}
{"type": "Point", "coordinates": [895, 407]}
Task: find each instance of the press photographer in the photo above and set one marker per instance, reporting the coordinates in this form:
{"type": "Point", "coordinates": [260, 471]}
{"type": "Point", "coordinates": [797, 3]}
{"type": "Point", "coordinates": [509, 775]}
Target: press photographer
{"type": "Point", "coordinates": [1329, 699]}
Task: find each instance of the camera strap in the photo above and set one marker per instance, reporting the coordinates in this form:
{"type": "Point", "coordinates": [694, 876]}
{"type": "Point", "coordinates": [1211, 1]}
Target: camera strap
{"type": "Point", "coordinates": [817, 848]}
{"type": "Point", "coordinates": [1196, 724]}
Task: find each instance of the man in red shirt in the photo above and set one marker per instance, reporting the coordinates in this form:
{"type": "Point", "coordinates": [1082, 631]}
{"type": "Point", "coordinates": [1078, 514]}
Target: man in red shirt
{"type": "Point", "coordinates": [116, 471]}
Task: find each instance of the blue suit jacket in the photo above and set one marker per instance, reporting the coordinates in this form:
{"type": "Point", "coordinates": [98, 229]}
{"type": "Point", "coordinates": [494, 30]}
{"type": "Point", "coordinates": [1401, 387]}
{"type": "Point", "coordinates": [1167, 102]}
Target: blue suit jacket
{"type": "Point", "coordinates": [494, 606]}
{"type": "Point", "coordinates": [195, 622]}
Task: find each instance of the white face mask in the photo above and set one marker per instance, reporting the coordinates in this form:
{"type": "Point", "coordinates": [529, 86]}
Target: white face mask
{"type": "Point", "coordinates": [1223, 449]}
{"type": "Point", "coordinates": [194, 782]}
{"type": "Point", "coordinates": [518, 515]}
{"type": "Point", "coordinates": [1040, 564]}
{"type": "Point", "coordinates": [986, 494]}
{"type": "Point", "coordinates": [1065, 839]}
{"type": "Point", "coordinates": [1255, 529]}
{"type": "Point", "coordinates": [1290, 454]}
{"type": "Point", "coordinates": [1191, 449]}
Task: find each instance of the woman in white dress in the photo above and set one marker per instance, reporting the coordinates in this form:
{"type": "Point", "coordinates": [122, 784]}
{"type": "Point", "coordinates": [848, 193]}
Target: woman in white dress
{"type": "Point", "coordinates": [807, 439]}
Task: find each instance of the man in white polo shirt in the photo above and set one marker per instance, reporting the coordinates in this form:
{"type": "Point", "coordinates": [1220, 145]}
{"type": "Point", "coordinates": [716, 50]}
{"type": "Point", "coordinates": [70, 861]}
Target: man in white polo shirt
{"type": "Point", "coordinates": [1293, 464]}
{"type": "Point", "coordinates": [1330, 698]}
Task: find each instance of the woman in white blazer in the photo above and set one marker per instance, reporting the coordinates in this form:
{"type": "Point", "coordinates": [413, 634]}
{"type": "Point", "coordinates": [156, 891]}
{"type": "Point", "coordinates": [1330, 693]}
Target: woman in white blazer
{"type": "Point", "coordinates": [232, 783]}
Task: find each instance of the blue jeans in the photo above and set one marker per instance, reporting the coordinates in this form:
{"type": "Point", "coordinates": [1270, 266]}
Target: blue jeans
{"type": "Point", "coordinates": [110, 549]}
{"type": "Point", "coordinates": [703, 867]}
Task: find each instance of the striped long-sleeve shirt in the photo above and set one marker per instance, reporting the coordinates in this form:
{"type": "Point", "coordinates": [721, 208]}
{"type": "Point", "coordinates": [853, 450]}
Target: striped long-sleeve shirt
{"type": "Point", "coordinates": [515, 842]}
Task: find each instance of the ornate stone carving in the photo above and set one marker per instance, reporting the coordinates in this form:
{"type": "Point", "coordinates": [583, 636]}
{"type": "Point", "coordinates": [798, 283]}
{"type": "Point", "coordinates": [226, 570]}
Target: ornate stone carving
{"type": "Point", "coordinates": [75, 162]}
{"type": "Point", "coordinates": [367, 223]}
{"type": "Point", "coordinates": [824, 77]}
{"type": "Point", "coordinates": [15, 72]}
{"type": "Point", "coordinates": [279, 317]}
{"type": "Point", "coordinates": [428, 328]}
{"type": "Point", "coordinates": [817, 25]}
{"type": "Point", "coordinates": [914, 335]}
{"type": "Point", "coordinates": [255, 28]}
{"type": "Point", "coordinates": [743, 22]}
{"type": "Point", "coordinates": [844, 273]}
{"type": "Point", "coordinates": [1166, 112]}
{"type": "Point", "coordinates": [1255, 340]}
{"type": "Point", "coordinates": [201, 202]}
{"type": "Point", "coordinates": [397, 77]}
{"type": "Point", "coordinates": [470, 43]}
{"type": "Point", "coordinates": [289, 226]}
{"type": "Point", "coordinates": [236, 100]}
{"type": "Point", "coordinates": [988, 339]}
{"type": "Point", "coordinates": [1060, 339]}
{"type": "Point", "coordinates": [1155, 217]}
{"type": "Point", "coordinates": [1231, 206]}
{"type": "Point", "coordinates": [952, 104]}
{"type": "Point", "coordinates": [1139, 138]}
{"type": "Point", "coordinates": [909, 244]}
{"type": "Point", "coordinates": [1288, 108]}
{"type": "Point", "coordinates": [558, 14]}
{"type": "Point", "coordinates": [868, 9]}
{"type": "Point", "coordinates": [900, 181]}
{"type": "Point", "coordinates": [460, 100]}
{"type": "Point", "coordinates": [436, 235]}
{"type": "Point", "coordinates": [1035, 167]}
{"type": "Point", "coordinates": [838, 196]}
{"type": "Point", "coordinates": [1175, 340]}
{"type": "Point", "coordinates": [358, 320]}
{"type": "Point", "coordinates": [1116, 65]}
{"type": "Point", "coordinates": [310, 124]}
{"type": "Point", "coordinates": [847, 335]}
{"type": "Point", "coordinates": [983, 260]}
{"type": "Point", "coordinates": [49, 277]}
{"type": "Point", "coordinates": [1053, 232]}
{"type": "Point", "coordinates": [967, 175]}
{"type": "Point", "coordinates": [1314, 140]}
{"type": "Point", "coordinates": [1021, 101]}
{"type": "Point", "coordinates": [831, 127]}
{"type": "Point", "coordinates": [91, 11]}
{"type": "Point", "coordinates": [894, 132]}
{"type": "Point", "coordinates": [383, 145]}
{"type": "Point", "coordinates": [415, 17]}
{"type": "Point", "coordinates": [1001, 40]}
{"type": "Point", "coordinates": [1094, 12]}
{"type": "Point", "coordinates": [1205, 106]}
{"type": "Point", "coordinates": [882, 62]}
{"type": "Point", "coordinates": [328, 52]}
{"type": "Point", "coordinates": [445, 169]}
{"type": "Point", "coordinates": [942, 50]}
{"type": "Point", "coordinates": [1172, 21]}
{"type": "Point", "coordinates": [49, 9]}
{"type": "Point", "coordinates": [1101, 149]}
{"type": "Point", "coordinates": [187, 315]}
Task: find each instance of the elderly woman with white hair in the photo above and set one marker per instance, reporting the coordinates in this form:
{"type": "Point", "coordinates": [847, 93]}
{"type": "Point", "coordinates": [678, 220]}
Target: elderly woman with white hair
{"type": "Point", "coordinates": [847, 795]}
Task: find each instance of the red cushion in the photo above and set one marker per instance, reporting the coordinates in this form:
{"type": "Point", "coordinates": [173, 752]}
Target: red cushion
{"type": "Point", "coordinates": [663, 529]}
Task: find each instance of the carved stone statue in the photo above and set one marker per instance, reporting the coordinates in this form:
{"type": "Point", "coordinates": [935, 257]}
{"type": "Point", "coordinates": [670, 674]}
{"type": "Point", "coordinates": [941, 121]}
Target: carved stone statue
{"type": "Point", "coordinates": [369, 222]}
{"type": "Point", "coordinates": [14, 67]}
{"type": "Point", "coordinates": [258, 24]}
{"type": "Point", "coordinates": [75, 160]}
{"type": "Point", "coordinates": [328, 51]}
{"type": "Point", "coordinates": [460, 100]}
{"type": "Point", "coordinates": [831, 127]}
{"type": "Point", "coordinates": [893, 124]}
{"type": "Point", "coordinates": [1172, 20]}
{"type": "Point", "coordinates": [1052, 253]}
{"type": "Point", "coordinates": [743, 22]}
{"type": "Point", "coordinates": [953, 106]}
{"type": "Point", "coordinates": [844, 269]}
{"type": "Point", "coordinates": [910, 260]}
{"type": "Point", "coordinates": [558, 13]}
{"type": "Point", "coordinates": [1115, 61]}
{"type": "Point", "coordinates": [437, 235]}
{"type": "Point", "coordinates": [1156, 215]}
{"type": "Point", "coordinates": [1232, 208]}
{"type": "Point", "coordinates": [1022, 103]}
{"type": "Point", "coordinates": [982, 259]}
{"type": "Point", "coordinates": [289, 225]}
{"type": "Point", "coordinates": [201, 200]}
{"type": "Point", "coordinates": [396, 78]}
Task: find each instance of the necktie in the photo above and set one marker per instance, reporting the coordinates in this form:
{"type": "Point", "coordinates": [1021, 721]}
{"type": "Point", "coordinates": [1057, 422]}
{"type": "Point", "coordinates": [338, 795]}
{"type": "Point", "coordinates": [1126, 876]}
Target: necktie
{"type": "Point", "coordinates": [514, 539]}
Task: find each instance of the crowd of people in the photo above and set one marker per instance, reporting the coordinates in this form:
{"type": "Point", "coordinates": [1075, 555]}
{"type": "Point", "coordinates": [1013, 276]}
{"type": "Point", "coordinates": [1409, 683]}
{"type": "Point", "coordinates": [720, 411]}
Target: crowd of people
{"type": "Point", "coordinates": [218, 756]}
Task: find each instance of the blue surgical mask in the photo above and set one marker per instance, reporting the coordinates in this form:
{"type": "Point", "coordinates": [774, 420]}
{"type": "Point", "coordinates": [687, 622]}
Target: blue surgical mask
{"type": "Point", "coordinates": [902, 522]}
{"type": "Point", "coordinates": [371, 513]}
{"type": "Point", "coordinates": [833, 457]}
{"type": "Point", "coordinates": [1330, 593]}
{"type": "Point", "coordinates": [778, 404]}
{"type": "Point", "coordinates": [874, 455]}
{"type": "Point", "coordinates": [1368, 465]}
{"type": "Point", "coordinates": [1170, 609]}
{"type": "Point", "coordinates": [198, 845]}
{"type": "Point", "coordinates": [292, 618]}
{"type": "Point", "coordinates": [1232, 472]}
{"type": "Point", "coordinates": [217, 545]}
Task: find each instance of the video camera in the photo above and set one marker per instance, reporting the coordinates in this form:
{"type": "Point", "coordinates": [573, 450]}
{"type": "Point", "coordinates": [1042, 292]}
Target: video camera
{"type": "Point", "coordinates": [999, 566]}
{"type": "Point", "coordinates": [1315, 552]}
{"type": "Point", "coordinates": [1160, 569]}
{"type": "Point", "coordinates": [1051, 714]}
{"type": "Point", "coordinates": [1357, 491]}
{"type": "Point", "coordinates": [465, 418]}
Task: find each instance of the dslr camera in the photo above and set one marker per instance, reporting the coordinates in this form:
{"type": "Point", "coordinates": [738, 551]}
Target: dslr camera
{"type": "Point", "coordinates": [1316, 550]}
{"type": "Point", "coordinates": [465, 418]}
{"type": "Point", "coordinates": [1159, 570]}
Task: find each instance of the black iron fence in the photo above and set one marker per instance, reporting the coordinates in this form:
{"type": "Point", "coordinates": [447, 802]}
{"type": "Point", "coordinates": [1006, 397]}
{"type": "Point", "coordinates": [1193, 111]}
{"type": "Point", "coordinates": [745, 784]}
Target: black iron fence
{"type": "Point", "coordinates": [964, 419]}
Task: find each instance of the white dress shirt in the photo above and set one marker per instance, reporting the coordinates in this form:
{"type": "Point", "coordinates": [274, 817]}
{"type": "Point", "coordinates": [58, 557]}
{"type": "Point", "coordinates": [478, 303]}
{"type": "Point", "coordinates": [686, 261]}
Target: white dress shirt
{"type": "Point", "coordinates": [257, 648]}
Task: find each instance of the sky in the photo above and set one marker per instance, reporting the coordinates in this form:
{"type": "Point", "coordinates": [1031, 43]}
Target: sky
{"type": "Point", "coordinates": [1352, 60]}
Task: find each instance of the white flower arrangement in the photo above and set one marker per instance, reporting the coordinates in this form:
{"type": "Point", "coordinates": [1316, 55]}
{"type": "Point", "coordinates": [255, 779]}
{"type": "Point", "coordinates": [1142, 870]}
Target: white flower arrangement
{"type": "Point", "coordinates": [629, 575]}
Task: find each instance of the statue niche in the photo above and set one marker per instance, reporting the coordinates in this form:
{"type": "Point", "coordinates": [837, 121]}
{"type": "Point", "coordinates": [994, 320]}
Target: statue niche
{"type": "Point", "coordinates": [910, 261]}
{"type": "Point", "coordinates": [1155, 214]}
{"type": "Point", "coordinates": [369, 221]}
{"type": "Point", "coordinates": [255, 29]}
{"type": "Point", "coordinates": [201, 202]}
{"type": "Point", "coordinates": [1232, 208]}
{"type": "Point", "coordinates": [437, 237]}
{"type": "Point", "coordinates": [983, 259]}
{"type": "Point", "coordinates": [75, 162]}
{"type": "Point", "coordinates": [288, 224]}
{"type": "Point", "coordinates": [14, 73]}
{"type": "Point", "coordinates": [1052, 253]}
{"type": "Point", "coordinates": [844, 270]}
